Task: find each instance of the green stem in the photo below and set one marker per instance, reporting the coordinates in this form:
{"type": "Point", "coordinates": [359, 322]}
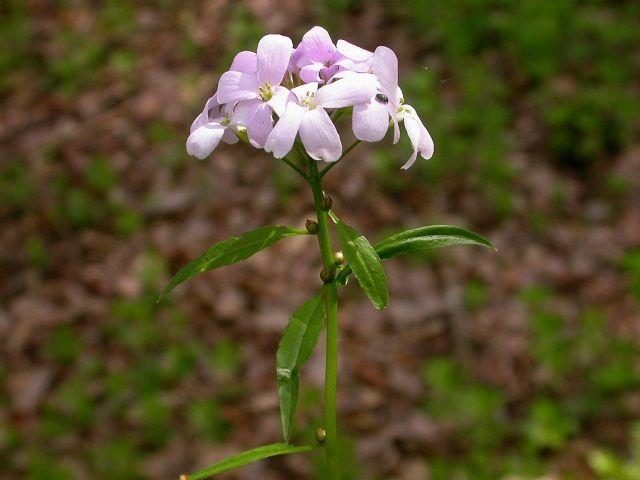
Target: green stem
{"type": "Point", "coordinates": [331, 308]}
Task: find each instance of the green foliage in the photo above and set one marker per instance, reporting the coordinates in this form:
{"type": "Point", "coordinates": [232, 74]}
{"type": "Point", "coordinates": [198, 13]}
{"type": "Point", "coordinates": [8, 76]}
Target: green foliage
{"type": "Point", "coordinates": [231, 251]}
{"type": "Point", "coordinates": [205, 418]}
{"type": "Point", "coordinates": [295, 348]}
{"type": "Point", "coordinates": [609, 466]}
{"type": "Point", "coordinates": [249, 456]}
{"type": "Point", "coordinates": [631, 265]}
{"type": "Point", "coordinates": [365, 264]}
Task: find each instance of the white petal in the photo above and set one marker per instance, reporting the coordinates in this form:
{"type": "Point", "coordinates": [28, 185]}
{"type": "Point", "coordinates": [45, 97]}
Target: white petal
{"type": "Point", "coordinates": [349, 90]}
{"type": "Point", "coordinates": [204, 140]}
{"type": "Point", "coordinates": [243, 111]}
{"type": "Point", "coordinates": [273, 53]}
{"type": "Point", "coordinates": [352, 51]}
{"type": "Point", "coordinates": [319, 136]}
{"type": "Point", "coordinates": [236, 86]}
{"type": "Point", "coordinates": [278, 101]}
{"type": "Point", "coordinates": [316, 46]}
{"type": "Point", "coordinates": [283, 135]}
{"type": "Point", "coordinates": [260, 125]}
{"type": "Point", "coordinates": [370, 121]}
{"type": "Point", "coordinates": [413, 130]}
{"type": "Point", "coordinates": [230, 136]}
{"type": "Point", "coordinates": [421, 141]}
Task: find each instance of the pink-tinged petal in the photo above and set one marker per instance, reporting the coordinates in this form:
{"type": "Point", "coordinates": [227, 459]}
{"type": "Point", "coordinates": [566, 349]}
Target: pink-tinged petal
{"type": "Point", "coordinates": [396, 129]}
{"type": "Point", "coordinates": [260, 125]}
{"type": "Point", "coordinates": [349, 90]}
{"type": "Point", "coordinates": [243, 111]}
{"type": "Point", "coordinates": [278, 101]}
{"type": "Point", "coordinates": [311, 72]}
{"type": "Point", "coordinates": [245, 62]}
{"type": "Point", "coordinates": [230, 136]}
{"type": "Point", "coordinates": [236, 86]}
{"type": "Point", "coordinates": [385, 67]}
{"type": "Point", "coordinates": [283, 135]}
{"type": "Point", "coordinates": [370, 121]}
{"type": "Point", "coordinates": [319, 136]}
{"type": "Point", "coordinates": [352, 51]}
{"type": "Point", "coordinates": [204, 140]}
{"type": "Point", "coordinates": [316, 46]}
{"type": "Point", "coordinates": [305, 90]}
{"type": "Point", "coordinates": [273, 53]}
{"type": "Point", "coordinates": [205, 116]}
{"type": "Point", "coordinates": [351, 65]}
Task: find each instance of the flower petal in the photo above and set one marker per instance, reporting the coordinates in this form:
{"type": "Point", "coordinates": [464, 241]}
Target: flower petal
{"type": "Point", "coordinates": [418, 135]}
{"type": "Point", "coordinates": [204, 117]}
{"type": "Point", "coordinates": [352, 51]}
{"type": "Point", "coordinates": [316, 46]}
{"type": "Point", "coordinates": [236, 86]}
{"type": "Point", "coordinates": [243, 111]}
{"type": "Point", "coordinates": [260, 125]}
{"type": "Point", "coordinates": [278, 101]}
{"type": "Point", "coordinates": [319, 136]}
{"type": "Point", "coordinates": [370, 121]}
{"type": "Point", "coordinates": [305, 90]}
{"type": "Point", "coordinates": [311, 72]}
{"type": "Point", "coordinates": [230, 136]}
{"type": "Point", "coordinates": [350, 90]}
{"type": "Point", "coordinates": [385, 67]}
{"type": "Point", "coordinates": [283, 135]}
{"type": "Point", "coordinates": [273, 53]}
{"type": "Point", "coordinates": [245, 62]}
{"type": "Point", "coordinates": [204, 140]}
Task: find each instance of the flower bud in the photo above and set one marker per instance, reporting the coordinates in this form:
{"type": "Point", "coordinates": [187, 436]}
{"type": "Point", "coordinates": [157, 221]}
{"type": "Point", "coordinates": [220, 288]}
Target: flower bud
{"type": "Point", "coordinates": [338, 257]}
{"type": "Point", "coordinates": [321, 435]}
{"type": "Point", "coordinates": [311, 226]}
{"type": "Point", "coordinates": [327, 203]}
{"type": "Point", "coordinates": [184, 477]}
{"type": "Point", "coordinates": [327, 274]}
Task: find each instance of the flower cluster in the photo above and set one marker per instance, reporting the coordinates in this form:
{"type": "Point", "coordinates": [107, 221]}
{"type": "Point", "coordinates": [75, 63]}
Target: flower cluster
{"type": "Point", "coordinates": [305, 88]}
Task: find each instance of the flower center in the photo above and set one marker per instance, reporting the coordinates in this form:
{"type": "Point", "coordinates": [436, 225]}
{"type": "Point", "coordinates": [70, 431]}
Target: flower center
{"type": "Point", "coordinates": [225, 121]}
{"type": "Point", "coordinates": [309, 101]}
{"type": "Point", "coordinates": [265, 92]}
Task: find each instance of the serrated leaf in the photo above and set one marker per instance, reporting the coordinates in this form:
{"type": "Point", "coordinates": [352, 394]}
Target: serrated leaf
{"type": "Point", "coordinates": [428, 238]}
{"type": "Point", "coordinates": [232, 250]}
{"type": "Point", "coordinates": [295, 348]}
{"type": "Point", "coordinates": [365, 263]}
{"type": "Point", "coordinates": [249, 456]}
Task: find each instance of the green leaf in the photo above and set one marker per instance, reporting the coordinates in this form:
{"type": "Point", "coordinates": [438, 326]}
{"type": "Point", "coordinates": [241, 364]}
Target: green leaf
{"type": "Point", "coordinates": [420, 239]}
{"type": "Point", "coordinates": [295, 348]}
{"type": "Point", "coordinates": [231, 251]}
{"type": "Point", "coordinates": [249, 456]}
{"type": "Point", "coordinates": [428, 238]}
{"type": "Point", "coordinates": [365, 263]}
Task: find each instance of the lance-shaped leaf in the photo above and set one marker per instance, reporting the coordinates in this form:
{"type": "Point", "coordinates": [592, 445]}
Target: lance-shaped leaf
{"type": "Point", "coordinates": [365, 263]}
{"type": "Point", "coordinates": [420, 239]}
{"type": "Point", "coordinates": [428, 238]}
{"type": "Point", "coordinates": [231, 251]}
{"type": "Point", "coordinates": [248, 457]}
{"type": "Point", "coordinates": [295, 348]}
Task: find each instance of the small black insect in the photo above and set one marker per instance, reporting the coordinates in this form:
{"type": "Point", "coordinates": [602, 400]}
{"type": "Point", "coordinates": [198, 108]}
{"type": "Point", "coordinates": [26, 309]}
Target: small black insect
{"type": "Point", "coordinates": [382, 98]}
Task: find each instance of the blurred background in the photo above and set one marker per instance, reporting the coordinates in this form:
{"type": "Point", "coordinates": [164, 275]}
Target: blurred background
{"type": "Point", "coordinates": [519, 364]}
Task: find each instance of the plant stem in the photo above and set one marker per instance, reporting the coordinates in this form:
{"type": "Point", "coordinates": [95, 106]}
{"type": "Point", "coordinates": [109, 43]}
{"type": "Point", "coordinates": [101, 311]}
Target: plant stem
{"type": "Point", "coordinates": [331, 309]}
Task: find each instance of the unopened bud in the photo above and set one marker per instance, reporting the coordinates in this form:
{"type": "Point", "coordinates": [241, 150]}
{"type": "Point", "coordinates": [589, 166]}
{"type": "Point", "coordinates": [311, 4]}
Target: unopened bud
{"type": "Point", "coordinates": [338, 257]}
{"type": "Point", "coordinates": [184, 477]}
{"type": "Point", "coordinates": [311, 226]}
{"type": "Point", "coordinates": [321, 435]}
{"type": "Point", "coordinates": [327, 203]}
{"type": "Point", "coordinates": [327, 274]}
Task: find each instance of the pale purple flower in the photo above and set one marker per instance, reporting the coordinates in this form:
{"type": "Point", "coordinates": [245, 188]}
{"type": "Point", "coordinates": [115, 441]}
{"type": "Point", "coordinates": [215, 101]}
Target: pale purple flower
{"type": "Point", "coordinates": [261, 90]}
{"type": "Point", "coordinates": [316, 56]}
{"type": "Point", "coordinates": [214, 123]}
{"type": "Point", "coordinates": [370, 121]}
{"type": "Point", "coordinates": [305, 113]}
{"type": "Point", "coordinates": [353, 58]}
